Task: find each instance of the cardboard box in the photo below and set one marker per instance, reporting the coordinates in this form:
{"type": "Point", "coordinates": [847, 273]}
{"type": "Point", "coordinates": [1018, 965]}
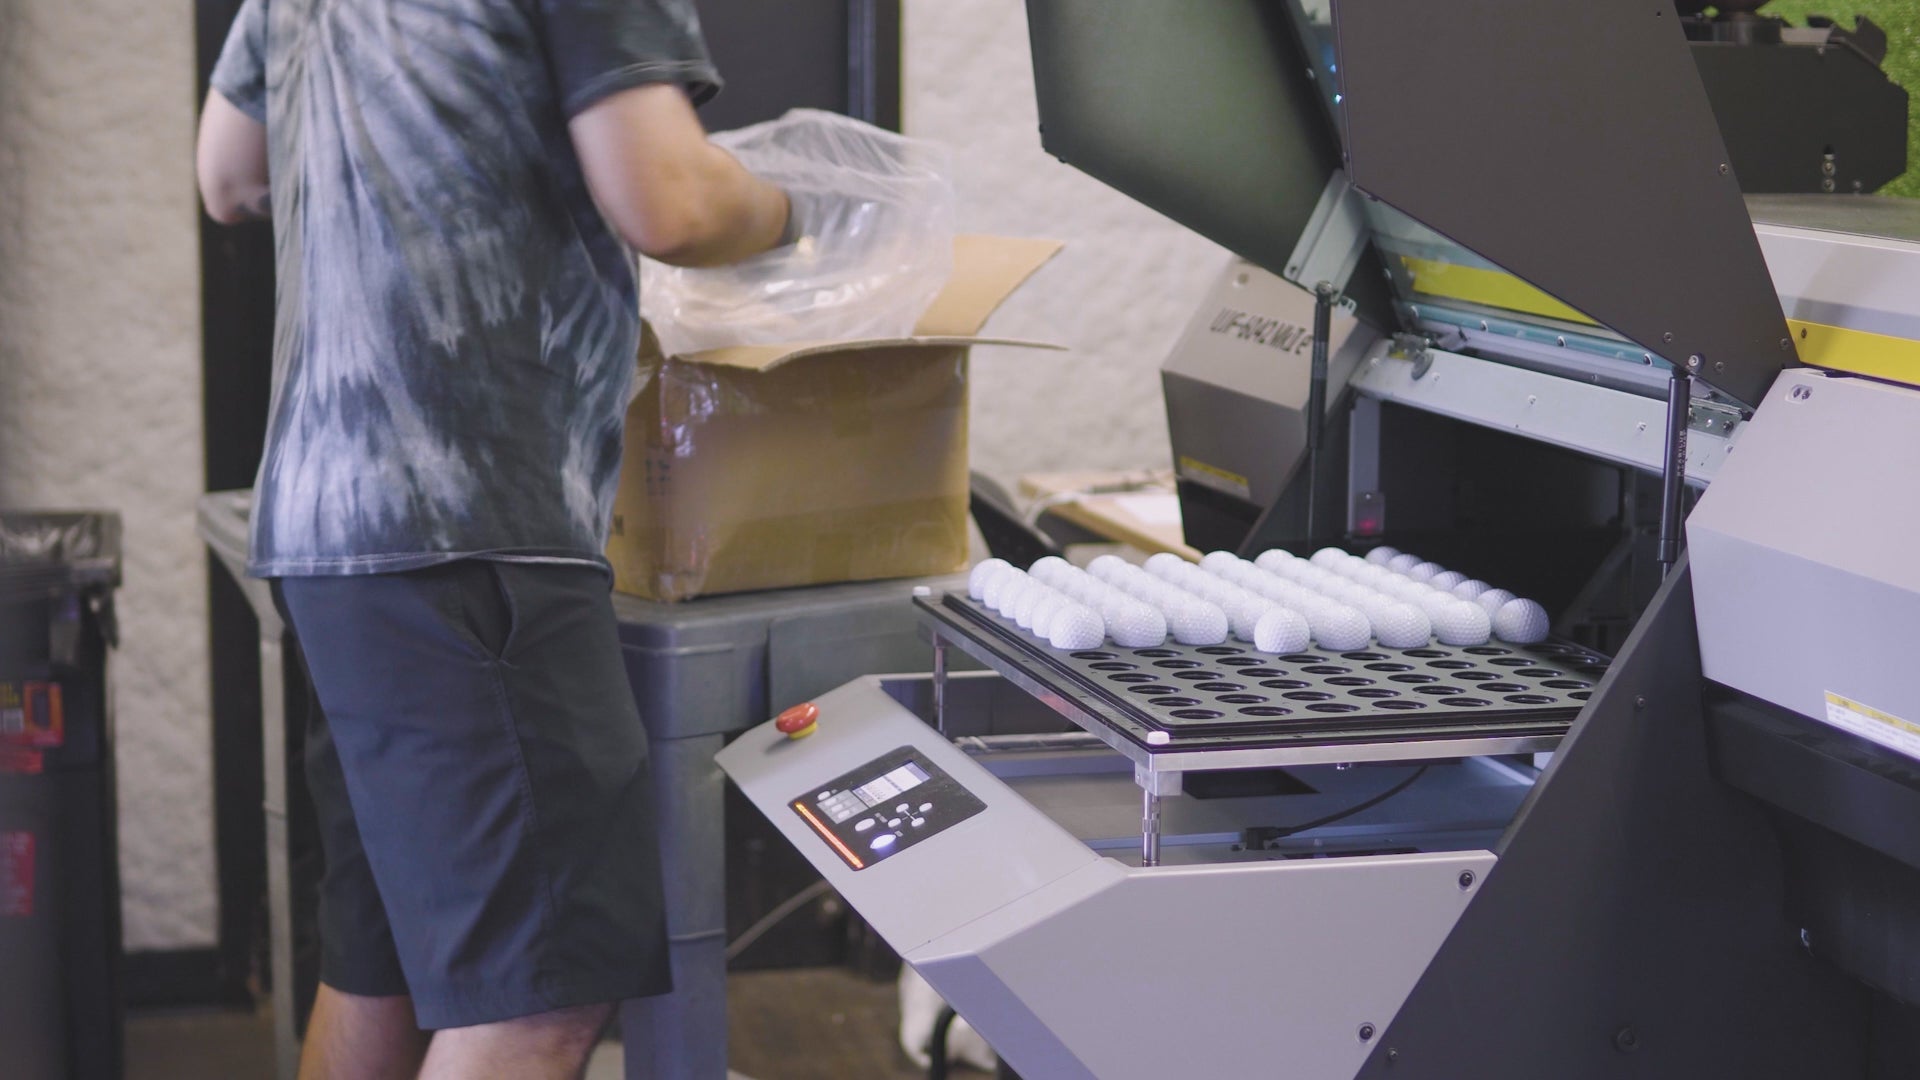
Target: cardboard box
{"type": "Point", "coordinates": [770, 466]}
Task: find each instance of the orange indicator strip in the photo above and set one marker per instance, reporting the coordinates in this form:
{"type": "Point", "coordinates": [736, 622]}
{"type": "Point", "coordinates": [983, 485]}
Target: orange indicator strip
{"type": "Point", "coordinates": [831, 839]}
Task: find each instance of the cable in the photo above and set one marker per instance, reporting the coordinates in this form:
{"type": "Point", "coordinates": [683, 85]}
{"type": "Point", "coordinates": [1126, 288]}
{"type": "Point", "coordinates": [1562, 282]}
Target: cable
{"type": "Point", "coordinates": [773, 918]}
{"type": "Point", "coordinates": [1270, 834]}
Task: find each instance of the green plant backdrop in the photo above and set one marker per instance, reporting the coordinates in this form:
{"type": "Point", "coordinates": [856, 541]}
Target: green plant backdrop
{"type": "Point", "coordinates": [1901, 20]}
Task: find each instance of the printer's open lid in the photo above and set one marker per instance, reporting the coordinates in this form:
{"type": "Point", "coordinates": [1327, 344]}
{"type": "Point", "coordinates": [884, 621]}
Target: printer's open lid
{"type": "Point", "coordinates": [1573, 145]}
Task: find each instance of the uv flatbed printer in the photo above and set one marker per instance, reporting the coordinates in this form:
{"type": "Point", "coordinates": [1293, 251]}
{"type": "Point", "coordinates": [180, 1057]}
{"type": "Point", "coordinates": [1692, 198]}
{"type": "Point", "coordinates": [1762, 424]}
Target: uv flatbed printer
{"type": "Point", "coordinates": [1553, 330]}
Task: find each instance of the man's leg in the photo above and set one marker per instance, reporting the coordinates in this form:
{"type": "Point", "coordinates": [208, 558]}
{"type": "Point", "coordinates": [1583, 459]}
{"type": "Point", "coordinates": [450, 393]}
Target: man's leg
{"type": "Point", "coordinates": [548, 1046]}
{"type": "Point", "coordinates": [350, 1037]}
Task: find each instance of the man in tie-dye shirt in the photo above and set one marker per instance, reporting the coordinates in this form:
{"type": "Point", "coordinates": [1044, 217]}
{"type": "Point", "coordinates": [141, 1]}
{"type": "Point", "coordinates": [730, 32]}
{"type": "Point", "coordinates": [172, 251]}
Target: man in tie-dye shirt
{"type": "Point", "coordinates": [456, 187]}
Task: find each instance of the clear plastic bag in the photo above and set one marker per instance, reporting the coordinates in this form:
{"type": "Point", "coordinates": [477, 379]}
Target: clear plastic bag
{"type": "Point", "coordinates": [874, 211]}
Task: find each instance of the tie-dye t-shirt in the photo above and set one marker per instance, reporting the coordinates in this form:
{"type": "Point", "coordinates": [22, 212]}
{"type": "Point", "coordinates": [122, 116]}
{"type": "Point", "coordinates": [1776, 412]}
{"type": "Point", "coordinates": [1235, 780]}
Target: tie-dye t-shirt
{"type": "Point", "coordinates": [455, 340]}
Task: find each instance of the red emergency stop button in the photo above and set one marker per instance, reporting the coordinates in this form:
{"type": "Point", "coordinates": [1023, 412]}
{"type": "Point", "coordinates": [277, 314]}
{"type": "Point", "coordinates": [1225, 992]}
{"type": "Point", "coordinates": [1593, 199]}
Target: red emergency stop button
{"type": "Point", "coordinates": [800, 721]}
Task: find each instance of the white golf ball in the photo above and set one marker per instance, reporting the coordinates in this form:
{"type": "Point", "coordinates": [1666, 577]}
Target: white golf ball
{"type": "Point", "coordinates": [984, 572]}
{"type": "Point", "coordinates": [1027, 600]}
{"type": "Point", "coordinates": [1077, 627]}
{"type": "Point", "coordinates": [1197, 622]}
{"type": "Point", "coordinates": [997, 585]}
{"type": "Point", "coordinates": [1402, 626]}
{"type": "Point", "coordinates": [1329, 557]}
{"type": "Point", "coordinates": [1403, 562]}
{"type": "Point", "coordinates": [1281, 631]}
{"type": "Point", "coordinates": [1424, 572]}
{"type": "Point", "coordinates": [1048, 568]}
{"type": "Point", "coordinates": [1462, 622]}
{"type": "Point", "coordinates": [1520, 621]}
{"type": "Point", "coordinates": [1218, 562]}
{"type": "Point", "coordinates": [1046, 611]}
{"type": "Point", "coordinates": [1273, 559]}
{"type": "Point", "coordinates": [1492, 599]}
{"type": "Point", "coordinates": [1381, 555]}
{"type": "Point", "coordinates": [1135, 625]}
{"type": "Point", "coordinates": [1470, 590]}
{"type": "Point", "coordinates": [1446, 579]}
{"type": "Point", "coordinates": [1340, 628]}
{"type": "Point", "coordinates": [1165, 560]}
{"type": "Point", "coordinates": [1017, 585]}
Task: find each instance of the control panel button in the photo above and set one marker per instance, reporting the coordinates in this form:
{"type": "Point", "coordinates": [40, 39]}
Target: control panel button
{"type": "Point", "coordinates": [925, 806]}
{"type": "Point", "coordinates": [798, 722]}
{"type": "Point", "coordinates": [919, 821]}
{"type": "Point", "coordinates": [863, 825]}
{"type": "Point", "coordinates": [883, 841]}
{"type": "Point", "coordinates": [893, 823]}
{"type": "Point", "coordinates": [901, 809]}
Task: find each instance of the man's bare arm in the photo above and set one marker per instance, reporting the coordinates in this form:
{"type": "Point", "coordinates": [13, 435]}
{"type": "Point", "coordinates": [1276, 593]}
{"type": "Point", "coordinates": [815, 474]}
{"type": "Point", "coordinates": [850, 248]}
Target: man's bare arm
{"type": "Point", "coordinates": [231, 162]}
{"type": "Point", "coordinates": [669, 192]}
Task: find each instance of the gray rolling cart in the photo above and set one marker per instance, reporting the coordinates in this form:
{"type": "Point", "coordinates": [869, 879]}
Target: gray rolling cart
{"type": "Point", "coordinates": [701, 671]}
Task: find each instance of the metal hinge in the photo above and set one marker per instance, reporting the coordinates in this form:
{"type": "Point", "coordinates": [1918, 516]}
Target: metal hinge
{"type": "Point", "coordinates": [1414, 347]}
{"type": "Point", "coordinates": [1713, 418]}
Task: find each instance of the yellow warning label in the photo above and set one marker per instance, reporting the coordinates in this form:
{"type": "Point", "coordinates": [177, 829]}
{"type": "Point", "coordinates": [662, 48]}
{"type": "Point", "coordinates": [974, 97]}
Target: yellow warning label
{"type": "Point", "coordinates": [1214, 477]}
{"type": "Point", "coordinates": [1871, 723]}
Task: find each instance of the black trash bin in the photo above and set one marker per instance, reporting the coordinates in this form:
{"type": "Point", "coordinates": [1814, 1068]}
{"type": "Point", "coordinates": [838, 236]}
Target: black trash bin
{"type": "Point", "coordinates": [61, 1011]}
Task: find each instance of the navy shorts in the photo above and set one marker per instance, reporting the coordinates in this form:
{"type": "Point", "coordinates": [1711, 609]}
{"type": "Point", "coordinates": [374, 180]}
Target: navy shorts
{"type": "Point", "coordinates": [480, 779]}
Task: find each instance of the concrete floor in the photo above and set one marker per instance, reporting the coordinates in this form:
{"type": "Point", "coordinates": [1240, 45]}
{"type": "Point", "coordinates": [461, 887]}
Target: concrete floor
{"type": "Point", "coordinates": [811, 1024]}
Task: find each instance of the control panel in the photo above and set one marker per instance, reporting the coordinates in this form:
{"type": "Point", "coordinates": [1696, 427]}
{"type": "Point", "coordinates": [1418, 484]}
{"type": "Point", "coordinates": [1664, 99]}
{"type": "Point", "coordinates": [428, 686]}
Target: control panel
{"type": "Point", "coordinates": [885, 806]}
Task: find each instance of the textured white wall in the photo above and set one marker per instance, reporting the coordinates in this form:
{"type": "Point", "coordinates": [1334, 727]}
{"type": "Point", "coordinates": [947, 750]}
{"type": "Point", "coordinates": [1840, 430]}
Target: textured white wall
{"type": "Point", "coordinates": [1117, 296]}
{"type": "Point", "coordinates": [100, 388]}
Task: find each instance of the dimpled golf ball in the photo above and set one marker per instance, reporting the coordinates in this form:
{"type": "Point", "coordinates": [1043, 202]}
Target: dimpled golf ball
{"type": "Point", "coordinates": [1219, 562]}
{"type": "Point", "coordinates": [1423, 572]}
{"type": "Point", "coordinates": [1446, 579]}
{"type": "Point", "coordinates": [1244, 612]}
{"type": "Point", "coordinates": [1329, 557]}
{"type": "Point", "coordinates": [1273, 558]}
{"type": "Point", "coordinates": [1382, 555]}
{"type": "Point", "coordinates": [1135, 625]}
{"type": "Point", "coordinates": [1028, 600]}
{"type": "Point", "coordinates": [1017, 586]}
{"type": "Point", "coordinates": [1402, 626]}
{"type": "Point", "coordinates": [1403, 562]}
{"type": "Point", "coordinates": [1281, 631]}
{"type": "Point", "coordinates": [1340, 628]}
{"type": "Point", "coordinates": [983, 573]}
{"type": "Point", "coordinates": [1462, 622]}
{"type": "Point", "coordinates": [1197, 622]}
{"type": "Point", "coordinates": [1045, 612]}
{"type": "Point", "coordinates": [1470, 590]}
{"type": "Point", "coordinates": [1077, 627]}
{"type": "Point", "coordinates": [1492, 599]}
{"type": "Point", "coordinates": [998, 584]}
{"type": "Point", "coordinates": [1520, 621]}
{"type": "Point", "coordinates": [1048, 569]}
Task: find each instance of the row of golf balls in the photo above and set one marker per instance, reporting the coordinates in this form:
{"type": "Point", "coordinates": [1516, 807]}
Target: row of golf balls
{"type": "Point", "coordinates": [1278, 602]}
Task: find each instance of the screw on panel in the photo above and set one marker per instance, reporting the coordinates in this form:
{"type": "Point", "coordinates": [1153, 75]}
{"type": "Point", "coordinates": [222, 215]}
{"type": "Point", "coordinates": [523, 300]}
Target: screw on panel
{"type": "Point", "coordinates": [1627, 1040]}
{"type": "Point", "coordinates": [1785, 344]}
{"type": "Point", "coordinates": [1366, 1032]}
{"type": "Point", "coordinates": [1723, 168]}
{"type": "Point", "coordinates": [1466, 879]}
{"type": "Point", "coordinates": [1640, 702]}
{"type": "Point", "coordinates": [1693, 362]}
{"type": "Point", "coordinates": [1800, 393]}
{"type": "Point", "coordinates": [1826, 185]}
{"type": "Point", "coordinates": [1667, 337]}
{"type": "Point", "coordinates": [1393, 1055]}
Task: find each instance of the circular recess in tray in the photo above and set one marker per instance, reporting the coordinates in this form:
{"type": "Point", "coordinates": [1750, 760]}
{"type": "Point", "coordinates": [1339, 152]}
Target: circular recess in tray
{"type": "Point", "coordinates": [1349, 680]}
{"type": "Point", "coordinates": [1093, 655]}
{"type": "Point", "coordinates": [1389, 667]}
{"type": "Point", "coordinates": [1508, 688]}
{"type": "Point", "coordinates": [1365, 656]}
{"type": "Point", "coordinates": [1552, 649]}
{"type": "Point", "coordinates": [1176, 702]}
{"type": "Point", "coordinates": [1266, 710]}
{"type": "Point", "coordinates": [1567, 684]}
{"type": "Point", "coordinates": [1243, 699]}
{"type": "Point", "coordinates": [1375, 692]}
{"type": "Point", "coordinates": [1449, 665]}
{"type": "Point", "coordinates": [1437, 691]}
{"type": "Point", "coordinates": [1153, 688]}
{"type": "Point", "coordinates": [1156, 652]}
{"type": "Point", "coordinates": [1220, 650]}
{"type": "Point", "coordinates": [1198, 714]}
{"type": "Point", "coordinates": [1592, 669]}
{"type": "Point", "coordinates": [1219, 687]}
{"type": "Point", "coordinates": [1304, 658]}
{"type": "Point", "coordinates": [1285, 684]}
{"type": "Point", "coordinates": [1536, 672]}
{"type": "Point", "coordinates": [1308, 695]}
{"type": "Point", "coordinates": [1581, 695]}
{"type": "Point", "coordinates": [1402, 705]}
{"type": "Point", "coordinates": [1114, 665]}
{"type": "Point", "coordinates": [1475, 676]}
{"type": "Point", "coordinates": [1513, 661]}
{"type": "Point", "coordinates": [1262, 673]}
{"type": "Point", "coordinates": [1428, 654]}
{"type": "Point", "coordinates": [1134, 676]}
{"type": "Point", "coordinates": [1487, 650]}
{"type": "Point", "coordinates": [1326, 669]}
{"type": "Point", "coordinates": [1176, 663]}
{"type": "Point", "coordinates": [1198, 675]}
{"type": "Point", "coordinates": [1333, 707]}
{"type": "Point", "coordinates": [1466, 702]}
{"type": "Point", "coordinates": [1526, 699]}
{"type": "Point", "coordinates": [1241, 661]}
{"type": "Point", "coordinates": [1415, 678]}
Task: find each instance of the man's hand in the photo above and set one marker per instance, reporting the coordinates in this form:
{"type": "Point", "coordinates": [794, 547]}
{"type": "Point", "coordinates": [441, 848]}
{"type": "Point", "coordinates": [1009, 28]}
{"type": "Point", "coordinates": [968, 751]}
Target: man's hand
{"type": "Point", "coordinates": [667, 191]}
{"type": "Point", "coordinates": [231, 162]}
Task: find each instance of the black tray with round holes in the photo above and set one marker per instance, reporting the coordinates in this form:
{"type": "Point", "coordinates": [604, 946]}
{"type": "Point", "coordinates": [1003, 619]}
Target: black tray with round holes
{"type": "Point", "coordinates": [1232, 695]}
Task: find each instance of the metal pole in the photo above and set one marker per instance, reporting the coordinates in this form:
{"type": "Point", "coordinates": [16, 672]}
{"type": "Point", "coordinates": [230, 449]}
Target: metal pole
{"type": "Point", "coordinates": [1323, 295]}
{"type": "Point", "coordinates": [1673, 475]}
{"type": "Point", "coordinates": [939, 684]}
{"type": "Point", "coordinates": [1149, 827]}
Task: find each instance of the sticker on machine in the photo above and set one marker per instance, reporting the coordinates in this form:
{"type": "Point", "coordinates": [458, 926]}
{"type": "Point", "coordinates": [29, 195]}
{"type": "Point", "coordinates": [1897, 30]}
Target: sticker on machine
{"type": "Point", "coordinates": [1870, 723]}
